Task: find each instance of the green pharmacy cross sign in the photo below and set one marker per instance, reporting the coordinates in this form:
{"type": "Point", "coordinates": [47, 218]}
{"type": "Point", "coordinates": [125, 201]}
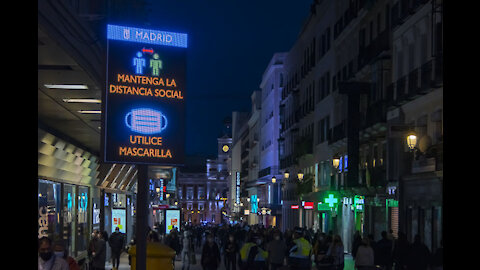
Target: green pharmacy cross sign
{"type": "Point", "coordinates": [331, 200]}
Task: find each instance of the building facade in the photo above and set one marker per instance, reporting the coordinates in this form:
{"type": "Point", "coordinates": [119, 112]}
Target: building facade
{"type": "Point", "coordinates": [361, 76]}
{"type": "Point", "coordinates": [203, 196]}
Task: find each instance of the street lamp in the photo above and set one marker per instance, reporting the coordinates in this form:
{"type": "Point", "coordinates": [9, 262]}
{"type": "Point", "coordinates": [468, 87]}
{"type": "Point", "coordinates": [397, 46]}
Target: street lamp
{"type": "Point", "coordinates": [300, 175]}
{"type": "Point", "coordinates": [411, 140]}
{"type": "Point", "coordinates": [274, 179]}
{"type": "Point", "coordinates": [335, 162]}
{"type": "Point", "coordinates": [286, 174]}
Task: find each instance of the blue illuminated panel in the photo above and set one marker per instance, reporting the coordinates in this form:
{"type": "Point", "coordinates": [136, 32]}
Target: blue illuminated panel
{"type": "Point", "coordinates": [148, 36]}
{"type": "Point", "coordinates": [146, 121]}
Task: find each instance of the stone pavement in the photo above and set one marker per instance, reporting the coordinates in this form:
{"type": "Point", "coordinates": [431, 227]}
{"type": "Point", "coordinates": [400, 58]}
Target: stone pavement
{"type": "Point", "coordinates": [349, 264]}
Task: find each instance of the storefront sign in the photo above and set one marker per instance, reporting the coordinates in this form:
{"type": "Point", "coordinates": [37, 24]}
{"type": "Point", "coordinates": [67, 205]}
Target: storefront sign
{"type": "Point", "coordinates": [237, 195]}
{"type": "Point", "coordinates": [308, 205]}
{"type": "Point", "coordinates": [294, 206]}
{"type": "Point", "coordinates": [323, 207]}
{"type": "Point", "coordinates": [42, 221]}
{"type": "Point", "coordinates": [254, 203]}
{"type": "Point", "coordinates": [172, 220]}
{"type": "Point", "coordinates": [331, 201]}
{"type": "Point", "coordinates": [358, 203]}
{"type": "Point", "coordinates": [119, 220]}
{"type": "Point", "coordinates": [143, 105]}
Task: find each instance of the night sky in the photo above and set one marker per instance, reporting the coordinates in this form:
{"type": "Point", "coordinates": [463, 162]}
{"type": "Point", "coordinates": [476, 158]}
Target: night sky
{"type": "Point", "coordinates": [230, 45]}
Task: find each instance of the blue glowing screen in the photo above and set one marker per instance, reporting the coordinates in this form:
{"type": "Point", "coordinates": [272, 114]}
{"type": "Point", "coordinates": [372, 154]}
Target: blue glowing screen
{"type": "Point", "coordinates": [146, 121]}
{"type": "Point", "coordinates": [148, 36]}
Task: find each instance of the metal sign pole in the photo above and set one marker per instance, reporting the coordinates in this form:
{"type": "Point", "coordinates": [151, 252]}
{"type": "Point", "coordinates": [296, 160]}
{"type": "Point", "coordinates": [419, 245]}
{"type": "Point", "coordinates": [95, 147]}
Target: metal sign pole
{"type": "Point", "coordinates": [142, 217]}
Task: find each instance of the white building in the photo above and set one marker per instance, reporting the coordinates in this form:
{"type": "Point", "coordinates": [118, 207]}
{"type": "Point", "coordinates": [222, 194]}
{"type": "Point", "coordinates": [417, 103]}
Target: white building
{"type": "Point", "coordinates": [271, 85]}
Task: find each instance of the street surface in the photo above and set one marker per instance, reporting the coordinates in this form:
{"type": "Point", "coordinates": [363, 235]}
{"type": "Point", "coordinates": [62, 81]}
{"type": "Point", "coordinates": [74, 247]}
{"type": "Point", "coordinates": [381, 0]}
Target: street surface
{"type": "Point", "coordinates": [178, 264]}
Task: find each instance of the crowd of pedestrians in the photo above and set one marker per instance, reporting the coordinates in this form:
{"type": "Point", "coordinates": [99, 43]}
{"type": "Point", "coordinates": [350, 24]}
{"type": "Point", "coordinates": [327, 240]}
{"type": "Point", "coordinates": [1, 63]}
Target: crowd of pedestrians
{"type": "Point", "coordinates": [245, 247]}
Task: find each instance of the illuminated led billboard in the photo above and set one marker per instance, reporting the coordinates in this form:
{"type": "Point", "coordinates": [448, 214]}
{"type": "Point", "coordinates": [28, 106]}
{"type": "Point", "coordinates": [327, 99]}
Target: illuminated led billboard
{"type": "Point", "coordinates": [143, 105]}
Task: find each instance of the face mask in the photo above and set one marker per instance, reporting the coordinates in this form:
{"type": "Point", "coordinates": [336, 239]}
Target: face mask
{"type": "Point", "coordinates": [59, 254]}
{"type": "Point", "coordinates": [46, 255]}
{"type": "Point", "coordinates": [231, 239]}
{"type": "Point", "coordinates": [259, 242]}
{"type": "Point", "coordinates": [277, 237]}
{"type": "Point", "coordinates": [210, 240]}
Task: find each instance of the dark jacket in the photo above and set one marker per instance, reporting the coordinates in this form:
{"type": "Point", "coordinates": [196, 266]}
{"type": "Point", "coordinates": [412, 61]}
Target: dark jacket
{"type": "Point", "coordinates": [383, 252]}
{"type": "Point", "coordinates": [116, 241]}
{"type": "Point", "coordinates": [418, 256]}
{"type": "Point", "coordinates": [210, 255]}
{"type": "Point", "coordinates": [100, 254]}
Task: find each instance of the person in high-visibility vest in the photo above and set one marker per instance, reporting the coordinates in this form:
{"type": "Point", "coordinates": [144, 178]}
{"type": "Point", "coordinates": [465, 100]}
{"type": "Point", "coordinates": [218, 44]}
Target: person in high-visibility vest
{"type": "Point", "coordinates": [260, 261]}
{"type": "Point", "coordinates": [245, 263]}
{"type": "Point", "coordinates": [252, 255]}
{"type": "Point", "coordinates": [299, 255]}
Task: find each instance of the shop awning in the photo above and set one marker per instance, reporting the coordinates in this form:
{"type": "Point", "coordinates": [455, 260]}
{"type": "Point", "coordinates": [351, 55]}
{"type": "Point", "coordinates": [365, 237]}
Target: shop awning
{"type": "Point", "coordinates": [116, 177]}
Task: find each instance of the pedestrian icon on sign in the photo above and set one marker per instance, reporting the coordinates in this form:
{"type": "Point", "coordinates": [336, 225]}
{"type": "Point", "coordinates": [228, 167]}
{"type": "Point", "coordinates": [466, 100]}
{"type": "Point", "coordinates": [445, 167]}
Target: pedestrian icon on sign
{"type": "Point", "coordinates": [139, 63]}
{"type": "Point", "coordinates": [156, 65]}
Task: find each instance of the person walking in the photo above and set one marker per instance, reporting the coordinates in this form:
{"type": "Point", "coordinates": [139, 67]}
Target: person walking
{"type": "Point", "coordinates": [357, 241]}
{"type": "Point", "coordinates": [248, 253]}
{"type": "Point", "coordinates": [383, 252]}
{"type": "Point", "coordinates": [188, 250]}
{"type": "Point", "coordinates": [231, 250]}
{"type": "Point", "coordinates": [364, 256]}
{"type": "Point", "coordinates": [418, 255]}
{"type": "Point", "coordinates": [210, 254]}
{"type": "Point", "coordinates": [336, 251]}
{"type": "Point", "coordinates": [91, 248]}
{"type": "Point", "coordinates": [260, 260]}
{"type": "Point", "coordinates": [61, 252]}
{"type": "Point", "coordinates": [400, 251]}
{"type": "Point", "coordinates": [276, 251]}
{"type": "Point", "coordinates": [116, 242]}
{"type": "Point", "coordinates": [320, 249]}
{"type": "Point", "coordinates": [300, 252]}
{"type": "Point", "coordinates": [437, 258]}
{"type": "Point", "coordinates": [47, 260]}
{"type": "Point", "coordinates": [100, 254]}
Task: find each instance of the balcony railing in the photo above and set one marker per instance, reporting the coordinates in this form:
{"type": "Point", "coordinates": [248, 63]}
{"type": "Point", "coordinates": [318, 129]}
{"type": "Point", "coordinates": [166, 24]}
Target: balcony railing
{"type": "Point", "coordinates": [379, 44]}
{"type": "Point", "coordinates": [413, 84]}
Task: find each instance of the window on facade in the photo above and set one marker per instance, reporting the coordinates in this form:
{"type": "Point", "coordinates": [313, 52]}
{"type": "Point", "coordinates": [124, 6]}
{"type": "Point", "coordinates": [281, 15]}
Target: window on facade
{"type": "Point", "coordinates": [189, 193]}
{"type": "Point", "coordinates": [379, 22]}
{"type": "Point", "coordinates": [328, 37]}
{"type": "Point", "coordinates": [82, 219]}
{"type": "Point", "coordinates": [411, 56]}
{"type": "Point", "coordinates": [371, 32]}
{"type": "Point", "coordinates": [49, 209]}
{"type": "Point", "coordinates": [69, 213]}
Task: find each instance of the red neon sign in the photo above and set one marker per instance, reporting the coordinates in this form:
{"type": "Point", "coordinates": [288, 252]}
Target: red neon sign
{"type": "Point", "coordinates": [308, 205]}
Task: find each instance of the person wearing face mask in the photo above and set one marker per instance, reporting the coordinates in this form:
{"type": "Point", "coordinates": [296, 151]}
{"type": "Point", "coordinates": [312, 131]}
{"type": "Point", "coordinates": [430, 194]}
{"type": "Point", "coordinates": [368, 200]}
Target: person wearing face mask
{"type": "Point", "coordinates": [210, 254]}
{"type": "Point", "coordinates": [276, 251]}
{"type": "Point", "coordinates": [91, 248]}
{"type": "Point", "coordinates": [61, 252]}
{"type": "Point", "coordinates": [299, 254]}
{"type": "Point", "coordinates": [231, 250]}
{"type": "Point", "coordinates": [47, 260]}
{"type": "Point", "coordinates": [260, 261]}
{"type": "Point", "coordinates": [188, 250]}
{"type": "Point", "coordinates": [100, 253]}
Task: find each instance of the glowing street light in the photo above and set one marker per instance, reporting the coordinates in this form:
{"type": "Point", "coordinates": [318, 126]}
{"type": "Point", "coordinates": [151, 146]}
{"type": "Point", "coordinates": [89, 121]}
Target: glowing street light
{"type": "Point", "coordinates": [411, 140]}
